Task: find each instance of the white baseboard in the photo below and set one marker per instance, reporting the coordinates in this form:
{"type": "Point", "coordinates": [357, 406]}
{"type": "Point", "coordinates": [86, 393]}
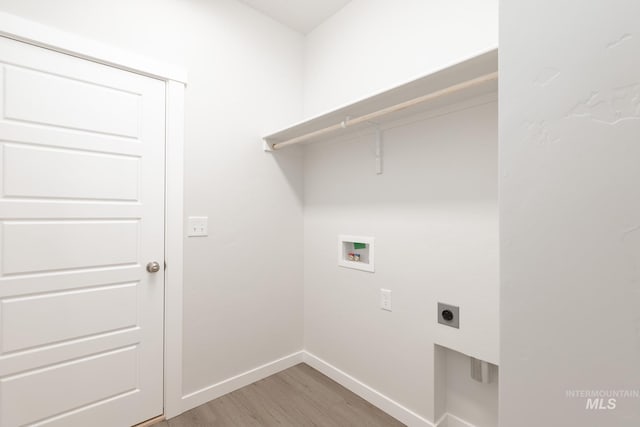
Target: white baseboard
{"type": "Point", "coordinates": [372, 396]}
{"type": "Point", "coordinates": [214, 391]}
{"type": "Point", "coordinates": [369, 394]}
{"type": "Point", "coordinates": [450, 420]}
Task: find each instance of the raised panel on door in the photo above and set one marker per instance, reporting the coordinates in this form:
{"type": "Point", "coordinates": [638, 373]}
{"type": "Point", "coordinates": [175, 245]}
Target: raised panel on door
{"type": "Point", "coordinates": [34, 97]}
{"type": "Point", "coordinates": [35, 396]}
{"type": "Point", "coordinates": [36, 320]}
{"type": "Point", "coordinates": [81, 213]}
{"type": "Point", "coordinates": [44, 172]}
{"type": "Point", "coordinates": [42, 246]}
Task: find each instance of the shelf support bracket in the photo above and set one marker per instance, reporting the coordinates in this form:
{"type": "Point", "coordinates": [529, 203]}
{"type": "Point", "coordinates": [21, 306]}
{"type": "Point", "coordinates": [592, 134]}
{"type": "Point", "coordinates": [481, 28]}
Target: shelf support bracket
{"type": "Point", "coordinates": [378, 150]}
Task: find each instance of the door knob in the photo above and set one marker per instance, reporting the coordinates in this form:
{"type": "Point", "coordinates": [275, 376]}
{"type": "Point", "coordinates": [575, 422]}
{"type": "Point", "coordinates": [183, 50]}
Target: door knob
{"type": "Point", "coordinates": [153, 267]}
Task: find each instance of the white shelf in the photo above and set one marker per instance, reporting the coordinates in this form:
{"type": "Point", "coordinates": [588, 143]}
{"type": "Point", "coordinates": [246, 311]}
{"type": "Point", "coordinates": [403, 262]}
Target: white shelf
{"type": "Point", "coordinates": [480, 70]}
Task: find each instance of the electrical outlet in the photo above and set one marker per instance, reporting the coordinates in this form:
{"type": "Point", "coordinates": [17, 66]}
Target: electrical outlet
{"type": "Point", "coordinates": [385, 300]}
{"type": "Point", "coordinates": [449, 315]}
{"type": "Point", "coordinates": [197, 226]}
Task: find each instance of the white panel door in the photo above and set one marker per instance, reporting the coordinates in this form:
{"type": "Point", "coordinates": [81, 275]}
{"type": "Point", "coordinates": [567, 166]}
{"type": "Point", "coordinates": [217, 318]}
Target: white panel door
{"type": "Point", "coordinates": [81, 214]}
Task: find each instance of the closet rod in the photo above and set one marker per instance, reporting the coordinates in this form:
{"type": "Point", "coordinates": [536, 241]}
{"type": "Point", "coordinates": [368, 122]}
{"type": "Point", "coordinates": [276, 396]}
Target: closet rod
{"type": "Point", "coordinates": [394, 108]}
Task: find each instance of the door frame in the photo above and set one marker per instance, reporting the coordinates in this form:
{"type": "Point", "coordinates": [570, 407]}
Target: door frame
{"type": "Point", "coordinates": [175, 79]}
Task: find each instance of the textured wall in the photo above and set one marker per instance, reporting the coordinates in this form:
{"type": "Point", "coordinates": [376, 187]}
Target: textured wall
{"type": "Point", "coordinates": [569, 210]}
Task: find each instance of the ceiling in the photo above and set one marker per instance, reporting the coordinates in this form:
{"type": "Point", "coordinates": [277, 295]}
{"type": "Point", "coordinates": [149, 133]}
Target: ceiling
{"type": "Point", "coordinates": [301, 15]}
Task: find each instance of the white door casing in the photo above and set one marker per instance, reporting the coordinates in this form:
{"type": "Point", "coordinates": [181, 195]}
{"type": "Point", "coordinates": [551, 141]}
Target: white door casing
{"type": "Point", "coordinates": [81, 214]}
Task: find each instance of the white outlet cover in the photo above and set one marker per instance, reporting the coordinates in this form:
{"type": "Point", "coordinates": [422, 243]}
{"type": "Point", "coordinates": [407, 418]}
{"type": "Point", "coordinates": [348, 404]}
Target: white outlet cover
{"type": "Point", "coordinates": [385, 300]}
{"type": "Point", "coordinates": [198, 226]}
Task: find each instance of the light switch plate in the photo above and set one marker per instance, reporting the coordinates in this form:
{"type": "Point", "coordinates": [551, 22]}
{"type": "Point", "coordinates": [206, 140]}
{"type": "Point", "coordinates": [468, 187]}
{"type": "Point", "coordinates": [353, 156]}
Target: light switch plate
{"type": "Point", "coordinates": [198, 226]}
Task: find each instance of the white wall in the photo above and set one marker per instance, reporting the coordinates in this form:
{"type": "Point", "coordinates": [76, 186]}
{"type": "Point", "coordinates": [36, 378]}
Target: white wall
{"type": "Point", "coordinates": [242, 284]}
{"type": "Point", "coordinates": [433, 214]}
{"type": "Point", "coordinates": [373, 45]}
{"type": "Point", "coordinates": [570, 210]}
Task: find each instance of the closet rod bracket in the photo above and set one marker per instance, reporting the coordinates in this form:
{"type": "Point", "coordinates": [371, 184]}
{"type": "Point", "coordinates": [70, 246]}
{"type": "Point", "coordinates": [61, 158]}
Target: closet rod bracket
{"type": "Point", "coordinates": [267, 146]}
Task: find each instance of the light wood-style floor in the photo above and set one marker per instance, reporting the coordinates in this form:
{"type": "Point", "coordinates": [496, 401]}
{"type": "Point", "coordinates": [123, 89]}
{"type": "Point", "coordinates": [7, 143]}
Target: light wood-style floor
{"type": "Point", "coordinates": [297, 397]}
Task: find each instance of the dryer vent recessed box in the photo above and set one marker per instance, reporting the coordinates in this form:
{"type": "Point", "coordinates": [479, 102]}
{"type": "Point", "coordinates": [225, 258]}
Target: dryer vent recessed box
{"type": "Point", "coordinates": [356, 252]}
